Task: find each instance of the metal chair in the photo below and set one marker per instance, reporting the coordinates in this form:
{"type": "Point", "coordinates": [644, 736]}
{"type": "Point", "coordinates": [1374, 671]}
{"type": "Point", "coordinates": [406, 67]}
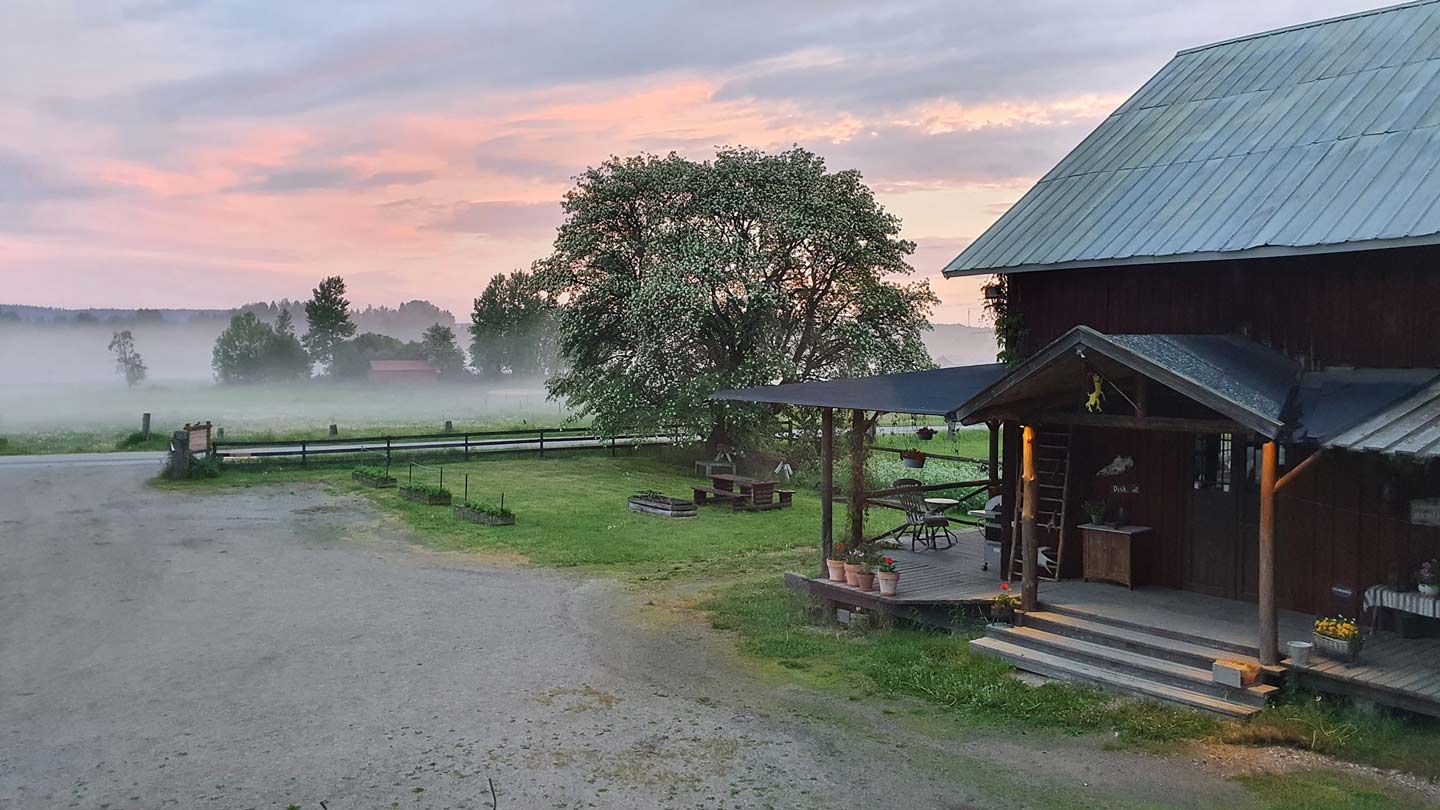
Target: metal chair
{"type": "Point", "coordinates": [925, 526]}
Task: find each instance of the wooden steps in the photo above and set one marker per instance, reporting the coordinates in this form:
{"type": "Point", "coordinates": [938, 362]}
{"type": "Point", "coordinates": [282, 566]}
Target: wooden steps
{"type": "Point", "coordinates": [1123, 659]}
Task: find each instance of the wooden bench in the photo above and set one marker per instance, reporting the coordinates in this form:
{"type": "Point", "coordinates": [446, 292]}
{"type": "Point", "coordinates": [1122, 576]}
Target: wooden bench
{"type": "Point", "coordinates": [785, 496]}
{"type": "Point", "coordinates": [704, 495]}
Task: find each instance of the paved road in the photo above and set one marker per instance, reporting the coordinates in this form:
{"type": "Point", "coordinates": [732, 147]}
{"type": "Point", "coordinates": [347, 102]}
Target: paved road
{"type": "Point", "coordinates": [270, 646]}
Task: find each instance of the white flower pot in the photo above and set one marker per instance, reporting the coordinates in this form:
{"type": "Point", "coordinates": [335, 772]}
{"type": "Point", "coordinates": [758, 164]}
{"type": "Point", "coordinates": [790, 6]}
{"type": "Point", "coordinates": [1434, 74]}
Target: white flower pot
{"type": "Point", "coordinates": [1431, 590]}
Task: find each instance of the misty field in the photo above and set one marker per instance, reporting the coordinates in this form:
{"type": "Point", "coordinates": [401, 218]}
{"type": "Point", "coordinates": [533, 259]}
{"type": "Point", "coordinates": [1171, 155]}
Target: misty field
{"type": "Point", "coordinates": [87, 416]}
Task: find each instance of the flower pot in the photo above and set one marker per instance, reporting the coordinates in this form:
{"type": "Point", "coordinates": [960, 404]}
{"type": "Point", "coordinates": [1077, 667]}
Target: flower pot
{"type": "Point", "coordinates": [1002, 615]}
{"type": "Point", "coordinates": [865, 581]}
{"type": "Point", "coordinates": [925, 434]}
{"type": "Point", "coordinates": [836, 570]}
{"type": "Point", "coordinates": [888, 581]}
{"type": "Point", "coordinates": [914, 462]}
{"type": "Point", "coordinates": [1338, 649]}
{"type": "Point", "coordinates": [850, 572]}
{"type": "Point", "coordinates": [1431, 590]}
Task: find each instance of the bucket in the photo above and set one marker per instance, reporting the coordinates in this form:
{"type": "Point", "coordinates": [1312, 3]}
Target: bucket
{"type": "Point", "coordinates": [1300, 652]}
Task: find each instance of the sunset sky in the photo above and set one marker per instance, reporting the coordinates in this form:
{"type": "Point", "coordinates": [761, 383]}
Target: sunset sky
{"type": "Point", "coordinates": [181, 153]}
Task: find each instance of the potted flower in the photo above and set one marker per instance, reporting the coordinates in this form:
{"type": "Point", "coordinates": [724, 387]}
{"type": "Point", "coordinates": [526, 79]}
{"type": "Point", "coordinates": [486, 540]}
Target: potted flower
{"type": "Point", "coordinates": [854, 558]}
{"type": "Point", "coordinates": [1428, 578]}
{"type": "Point", "coordinates": [865, 575]}
{"type": "Point", "coordinates": [887, 577]}
{"type": "Point", "coordinates": [835, 563]}
{"type": "Point", "coordinates": [1004, 605]}
{"type": "Point", "coordinates": [1095, 509]}
{"type": "Point", "coordinates": [913, 459]}
{"type": "Point", "coordinates": [1338, 638]}
{"type": "Point", "coordinates": [925, 434]}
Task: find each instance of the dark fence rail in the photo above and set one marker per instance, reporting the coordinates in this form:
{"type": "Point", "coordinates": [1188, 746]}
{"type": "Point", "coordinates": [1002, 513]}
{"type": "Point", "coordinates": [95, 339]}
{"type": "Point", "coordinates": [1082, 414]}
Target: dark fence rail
{"type": "Point", "coordinates": [454, 434]}
{"type": "Point", "coordinates": [528, 440]}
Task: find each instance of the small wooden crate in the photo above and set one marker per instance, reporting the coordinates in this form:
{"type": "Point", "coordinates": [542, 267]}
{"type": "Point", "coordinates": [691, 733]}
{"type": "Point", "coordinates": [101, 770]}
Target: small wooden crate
{"type": "Point", "coordinates": [1234, 674]}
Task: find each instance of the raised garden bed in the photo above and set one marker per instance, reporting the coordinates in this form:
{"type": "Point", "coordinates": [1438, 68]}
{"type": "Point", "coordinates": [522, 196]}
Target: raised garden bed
{"type": "Point", "coordinates": [653, 503]}
{"type": "Point", "coordinates": [485, 514]}
{"type": "Point", "coordinates": [432, 496]}
{"type": "Point", "coordinates": [372, 477]}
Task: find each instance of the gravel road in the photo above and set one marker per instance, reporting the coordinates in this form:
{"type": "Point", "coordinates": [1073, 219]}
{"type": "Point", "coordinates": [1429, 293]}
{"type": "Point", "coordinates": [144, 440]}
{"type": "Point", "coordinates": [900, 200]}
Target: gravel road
{"type": "Point", "coordinates": [281, 646]}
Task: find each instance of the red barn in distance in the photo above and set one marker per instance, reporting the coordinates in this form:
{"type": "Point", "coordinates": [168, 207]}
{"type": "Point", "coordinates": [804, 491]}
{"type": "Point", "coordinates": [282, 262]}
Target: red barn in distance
{"type": "Point", "coordinates": [403, 372]}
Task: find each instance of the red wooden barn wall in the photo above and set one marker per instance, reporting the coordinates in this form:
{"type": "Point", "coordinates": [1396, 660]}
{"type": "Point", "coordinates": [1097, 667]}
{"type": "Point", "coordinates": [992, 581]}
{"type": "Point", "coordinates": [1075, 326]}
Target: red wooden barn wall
{"type": "Point", "coordinates": [1364, 308]}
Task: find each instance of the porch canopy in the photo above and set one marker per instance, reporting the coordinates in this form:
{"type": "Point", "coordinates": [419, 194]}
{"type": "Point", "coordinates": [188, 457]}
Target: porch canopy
{"type": "Point", "coordinates": [925, 393]}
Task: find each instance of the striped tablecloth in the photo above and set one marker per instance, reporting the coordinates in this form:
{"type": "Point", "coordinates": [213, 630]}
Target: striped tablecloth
{"type": "Point", "coordinates": [1408, 601]}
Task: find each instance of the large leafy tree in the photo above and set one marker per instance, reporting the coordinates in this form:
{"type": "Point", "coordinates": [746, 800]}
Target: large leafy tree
{"type": "Point", "coordinates": [510, 327]}
{"type": "Point", "coordinates": [328, 315]}
{"type": "Point", "coordinates": [679, 278]}
{"type": "Point", "coordinates": [127, 361]}
{"type": "Point", "coordinates": [437, 344]}
{"type": "Point", "coordinates": [250, 350]}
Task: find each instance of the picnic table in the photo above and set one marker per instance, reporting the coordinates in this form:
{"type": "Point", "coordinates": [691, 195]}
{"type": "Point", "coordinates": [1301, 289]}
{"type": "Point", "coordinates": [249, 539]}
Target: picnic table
{"type": "Point", "coordinates": [743, 493]}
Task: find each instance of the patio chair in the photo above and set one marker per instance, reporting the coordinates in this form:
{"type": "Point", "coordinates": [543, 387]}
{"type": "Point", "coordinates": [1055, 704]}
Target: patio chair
{"type": "Point", "coordinates": [925, 526]}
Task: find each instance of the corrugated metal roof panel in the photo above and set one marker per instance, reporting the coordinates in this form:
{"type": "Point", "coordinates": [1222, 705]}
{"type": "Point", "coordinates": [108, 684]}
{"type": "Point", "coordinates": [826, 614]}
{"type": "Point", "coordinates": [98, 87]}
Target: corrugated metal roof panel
{"type": "Point", "coordinates": [1410, 427]}
{"type": "Point", "coordinates": [1314, 137]}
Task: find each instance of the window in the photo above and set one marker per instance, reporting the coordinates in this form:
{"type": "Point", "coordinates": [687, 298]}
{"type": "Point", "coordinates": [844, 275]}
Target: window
{"type": "Point", "coordinates": [1212, 461]}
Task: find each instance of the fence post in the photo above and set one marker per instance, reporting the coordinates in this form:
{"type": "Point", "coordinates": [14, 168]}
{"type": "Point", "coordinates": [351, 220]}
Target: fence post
{"type": "Point", "coordinates": [412, 473]}
{"type": "Point", "coordinates": [466, 496]}
{"type": "Point", "coordinates": [442, 479]}
{"type": "Point", "coordinates": [542, 443]}
{"type": "Point", "coordinates": [303, 459]}
{"type": "Point", "coordinates": [467, 446]}
{"type": "Point", "coordinates": [145, 425]}
{"type": "Point", "coordinates": [387, 454]}
{"type": "Point", "coordinates": [612, 446]}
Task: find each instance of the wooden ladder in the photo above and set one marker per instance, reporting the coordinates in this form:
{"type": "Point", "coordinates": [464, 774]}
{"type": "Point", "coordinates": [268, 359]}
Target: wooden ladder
{"type": "Point", "coordinates": [1052, 513]}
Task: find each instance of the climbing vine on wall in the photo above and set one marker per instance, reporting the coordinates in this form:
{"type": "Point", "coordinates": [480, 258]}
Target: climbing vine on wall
{"type": "Point", "coordinates": [1009, 328]}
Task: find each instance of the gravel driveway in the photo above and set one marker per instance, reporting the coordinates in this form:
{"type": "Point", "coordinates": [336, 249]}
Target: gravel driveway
{"type": "Point", "coordinates": [281, 646]}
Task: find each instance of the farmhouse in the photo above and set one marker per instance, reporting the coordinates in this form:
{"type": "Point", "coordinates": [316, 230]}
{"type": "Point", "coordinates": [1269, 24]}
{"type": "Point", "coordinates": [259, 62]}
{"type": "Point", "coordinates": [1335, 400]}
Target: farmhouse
{"type": "Point", "coordinates": [402, 372]}
{"type": "Point", "coordinates": [1228, 392]}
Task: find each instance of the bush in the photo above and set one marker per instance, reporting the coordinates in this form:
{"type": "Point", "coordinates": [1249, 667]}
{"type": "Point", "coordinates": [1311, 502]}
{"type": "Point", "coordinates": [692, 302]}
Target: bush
{"type": "Point", "coordinates": [488, 509]}
{"type": "Point", "coordinates": [428, 490]}
{"type": "Point", "coordinates": [133, 440]}
{"type": "Point", "coordinates": [208, 467]}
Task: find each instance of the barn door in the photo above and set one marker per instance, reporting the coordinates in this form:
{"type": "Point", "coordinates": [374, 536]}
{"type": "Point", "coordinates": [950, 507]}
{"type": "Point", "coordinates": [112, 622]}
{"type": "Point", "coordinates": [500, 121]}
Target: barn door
{"type": "Point", "coordinates": [1212, 519]}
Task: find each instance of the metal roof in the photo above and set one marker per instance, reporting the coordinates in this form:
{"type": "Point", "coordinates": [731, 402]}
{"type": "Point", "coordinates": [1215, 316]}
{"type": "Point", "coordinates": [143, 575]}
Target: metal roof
{"type": "Point", "coordinates": [1238, 378]}
{"type": "Point", "coordinates": [1322, 137]}
{"type": "Point", "coordinates": [1334, 400]}
{"type": "Point", "coordinates": [931, 393]}
{"type": "Point", "coordinates": [1410, 427]}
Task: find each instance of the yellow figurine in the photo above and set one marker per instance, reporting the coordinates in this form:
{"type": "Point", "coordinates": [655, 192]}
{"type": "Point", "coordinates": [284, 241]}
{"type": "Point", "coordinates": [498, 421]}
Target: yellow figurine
{"type": "Point", "coordinates": [1092, 402]}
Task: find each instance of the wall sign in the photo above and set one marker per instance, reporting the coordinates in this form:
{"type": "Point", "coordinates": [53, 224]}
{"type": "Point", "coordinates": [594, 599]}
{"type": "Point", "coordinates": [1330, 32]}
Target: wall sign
{"type": "Point", "coordinates": [1425, 511]}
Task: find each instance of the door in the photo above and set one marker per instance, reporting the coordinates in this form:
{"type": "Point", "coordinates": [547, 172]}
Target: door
{"type": "Point", "coordinates": [1212, 519]}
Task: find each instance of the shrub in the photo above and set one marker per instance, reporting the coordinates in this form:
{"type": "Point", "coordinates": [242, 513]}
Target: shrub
{"type": "Point", "coordinates": [133, 440]}
{"type": "Point", "coordinates": [488, 509]}
{"type": "Point", "coordinates": [371, 472]}
{"type": "Point", "coordinates": [428, 490]}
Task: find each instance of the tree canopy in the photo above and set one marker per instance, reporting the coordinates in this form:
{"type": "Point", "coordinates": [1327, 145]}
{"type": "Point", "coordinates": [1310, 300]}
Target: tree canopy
{"type": "Point", "coordinates": [678, 278]}
{"type": "Point", "coordinates": [127, 361]}
{"type": "Point", "coordinates": [250, 350]}
{"type": "Point", "coordinates": [328, 315]}
{"type": "Point", "coordinates": [510, 327]}
{"type": "Point", "coordinates": [438, 347]}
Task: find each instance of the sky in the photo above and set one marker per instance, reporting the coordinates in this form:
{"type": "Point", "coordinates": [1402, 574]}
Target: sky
{"type": "Point", "coordinates": [183, 153]}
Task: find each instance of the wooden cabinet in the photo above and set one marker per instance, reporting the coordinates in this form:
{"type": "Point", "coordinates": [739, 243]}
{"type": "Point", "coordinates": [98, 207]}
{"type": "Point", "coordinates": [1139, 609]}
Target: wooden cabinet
{"type": "Point", "coordinates": [1112, 552]}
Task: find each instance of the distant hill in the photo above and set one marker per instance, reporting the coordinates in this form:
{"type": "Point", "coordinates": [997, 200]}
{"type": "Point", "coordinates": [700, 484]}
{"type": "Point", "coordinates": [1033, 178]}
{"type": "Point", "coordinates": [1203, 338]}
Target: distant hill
{"type": "Point", "coordinates": [953, 344]}
{"type": "Point", "coordinates": [404, 322]}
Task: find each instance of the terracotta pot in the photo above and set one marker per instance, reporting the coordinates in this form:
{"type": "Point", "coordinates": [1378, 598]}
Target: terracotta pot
{"type": "Point", "coordinates": [865, 582]}
{"type": "Point", "coordinates": [888, 581]}
{"type": "Point", "coordinates": [836, 570]}
{"type": "Point", "coordinates": [850, 573]}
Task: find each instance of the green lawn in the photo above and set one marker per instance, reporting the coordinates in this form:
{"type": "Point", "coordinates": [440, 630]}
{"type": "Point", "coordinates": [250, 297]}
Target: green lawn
{"type": "Point", "coordinates": [78, 441]}
{"type": "Point", "coordinates": [1329, 790]}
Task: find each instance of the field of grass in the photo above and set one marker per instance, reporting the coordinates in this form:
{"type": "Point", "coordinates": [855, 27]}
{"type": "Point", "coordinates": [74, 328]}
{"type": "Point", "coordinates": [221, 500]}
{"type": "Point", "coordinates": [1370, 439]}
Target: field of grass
{"type": "Point", "coordinates": [571, 513]}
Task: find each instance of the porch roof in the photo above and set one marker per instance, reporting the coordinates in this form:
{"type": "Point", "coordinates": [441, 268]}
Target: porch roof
{"type": "Point", "coordinates": [927, 393]}
{"type": "Point", "coordinates": [1237, 378]}
{"type": "Point", "coordinates": [1407, 427]}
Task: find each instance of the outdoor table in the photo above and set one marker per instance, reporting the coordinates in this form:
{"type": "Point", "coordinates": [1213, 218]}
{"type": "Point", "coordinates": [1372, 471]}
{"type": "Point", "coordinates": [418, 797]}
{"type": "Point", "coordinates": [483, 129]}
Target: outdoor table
{"type": "Point", "coordinates": [942, 504]}
{"type": "Point", "coordinates": [1388, 598]}
{"type": "Point", "coordinates": [746, 486]}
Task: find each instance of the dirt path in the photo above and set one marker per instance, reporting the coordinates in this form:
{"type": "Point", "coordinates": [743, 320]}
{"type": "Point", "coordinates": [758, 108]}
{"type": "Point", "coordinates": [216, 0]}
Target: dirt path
{"type": "Point", "coordinates": [275, 646]}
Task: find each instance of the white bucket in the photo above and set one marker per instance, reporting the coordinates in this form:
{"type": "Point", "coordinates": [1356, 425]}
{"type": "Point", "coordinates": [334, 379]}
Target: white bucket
{"type": "Point", "coordinates": [1300, 652]}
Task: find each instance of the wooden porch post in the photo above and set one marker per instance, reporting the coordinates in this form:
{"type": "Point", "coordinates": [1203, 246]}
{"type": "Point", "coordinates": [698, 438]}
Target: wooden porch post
{"type": "Point", "coordinates": [1009, 489]}
{"type": "Point", "coordinates": [994, 451]}
{"type": "Point", "coordinates": [1030, 582]}
{"type": "Point", "coordinates": [858, 427]}
{"type": "Point", "coordinates": [827, 485]}
{"type": "Point", "coordinates": [1269, 640]}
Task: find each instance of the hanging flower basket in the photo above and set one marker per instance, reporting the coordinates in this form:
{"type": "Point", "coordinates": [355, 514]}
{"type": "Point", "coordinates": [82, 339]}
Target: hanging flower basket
{"type": "Point", "coordinates": [912, 459]}
{"type": "Point", "coordinates": [925, 434]}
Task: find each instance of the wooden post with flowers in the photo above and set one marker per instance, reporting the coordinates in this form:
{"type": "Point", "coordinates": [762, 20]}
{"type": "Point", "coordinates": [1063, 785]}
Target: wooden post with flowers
{"type": "Point", "coordinates": [1029, 541]}
{"type": "Point", "coordinates": [827, 485]}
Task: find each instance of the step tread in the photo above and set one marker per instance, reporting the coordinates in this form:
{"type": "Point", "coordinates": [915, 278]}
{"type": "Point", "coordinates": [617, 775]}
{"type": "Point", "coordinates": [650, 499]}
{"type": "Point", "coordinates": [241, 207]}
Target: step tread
{"type": "Point", "coordinates": [1057, 666]}
{"type": "Point", "coordinates": [1197, 675]}
{"type": "Point", "coordinates": [1102, 628]}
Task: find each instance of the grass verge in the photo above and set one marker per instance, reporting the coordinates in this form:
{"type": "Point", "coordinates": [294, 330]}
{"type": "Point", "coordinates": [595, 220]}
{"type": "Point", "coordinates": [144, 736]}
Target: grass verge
{"type": "Point", "coordinates": [1328, 790]}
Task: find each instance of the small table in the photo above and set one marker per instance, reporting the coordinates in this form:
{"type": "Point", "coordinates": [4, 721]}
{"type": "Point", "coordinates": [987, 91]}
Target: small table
{"type": "Point", "coordinates": [1110, 552]}
{"type": "Point", "coordinates": [705, 469]}
{"type": "Point", "coordinates": [942, 504]}
{"type": "Point", "coordinates": [1383, 597]}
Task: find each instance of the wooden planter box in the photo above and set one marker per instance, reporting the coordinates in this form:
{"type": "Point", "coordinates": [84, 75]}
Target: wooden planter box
{"type": "Point", "coordinates": [378, 483]}
{"type": "Point", "coordinates": [480, 517]}
{"type": "Point", "coordinates": [425, 497]}
{"type": "Point", "coordinates": [663, 506]}
{"type": "Point", "coordinates": [1348, 651]}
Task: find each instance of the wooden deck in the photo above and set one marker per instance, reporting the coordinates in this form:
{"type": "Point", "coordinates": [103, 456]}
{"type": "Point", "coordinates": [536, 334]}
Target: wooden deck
{"type": "Point", "coordinates": [1392, 671]}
